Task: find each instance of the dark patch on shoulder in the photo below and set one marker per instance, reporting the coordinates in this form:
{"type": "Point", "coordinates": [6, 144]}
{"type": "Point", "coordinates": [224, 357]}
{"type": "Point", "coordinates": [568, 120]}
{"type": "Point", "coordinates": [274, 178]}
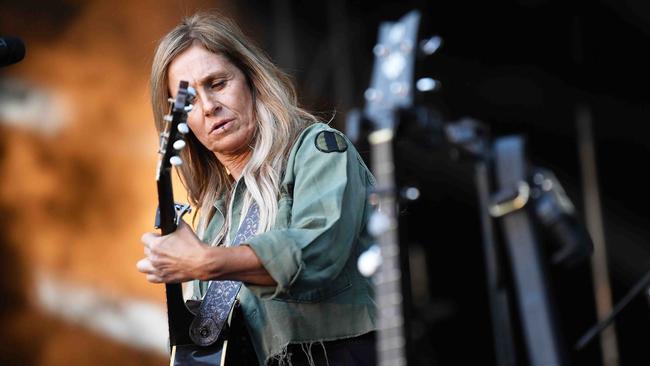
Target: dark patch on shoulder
{"type": "Point", "coordinates": [328, 141]}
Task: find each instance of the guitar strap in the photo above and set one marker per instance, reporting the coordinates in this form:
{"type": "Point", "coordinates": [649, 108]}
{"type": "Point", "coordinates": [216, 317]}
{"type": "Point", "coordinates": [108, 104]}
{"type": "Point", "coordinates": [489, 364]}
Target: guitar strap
{"type": "Point", "coordinates": [221, 295]}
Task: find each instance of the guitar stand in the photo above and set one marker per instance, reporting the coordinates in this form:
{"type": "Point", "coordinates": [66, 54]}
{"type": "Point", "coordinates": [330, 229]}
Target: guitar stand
{"type": "Point", "coordinates": [509, 207]}
{"type": "Point", "coordinates": [516, 202]}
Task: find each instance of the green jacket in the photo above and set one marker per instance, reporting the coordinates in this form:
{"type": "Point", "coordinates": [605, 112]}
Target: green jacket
{"type": "Point", "coordinates": [312, 249]}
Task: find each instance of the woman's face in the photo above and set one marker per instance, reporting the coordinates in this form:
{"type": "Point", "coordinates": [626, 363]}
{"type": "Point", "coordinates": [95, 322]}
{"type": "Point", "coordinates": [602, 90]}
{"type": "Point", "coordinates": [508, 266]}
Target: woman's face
{"type": "Point", "coordinates": [222, 117]}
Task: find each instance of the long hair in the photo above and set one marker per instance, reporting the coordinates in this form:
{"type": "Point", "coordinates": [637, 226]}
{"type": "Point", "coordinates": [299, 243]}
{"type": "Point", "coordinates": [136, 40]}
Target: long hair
{"type": "Point", "coordinates": [279, 119]}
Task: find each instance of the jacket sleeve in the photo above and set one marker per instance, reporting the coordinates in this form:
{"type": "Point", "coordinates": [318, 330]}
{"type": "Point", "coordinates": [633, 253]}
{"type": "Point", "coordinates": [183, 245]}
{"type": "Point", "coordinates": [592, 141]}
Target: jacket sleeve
{"type": "Point", "coordinates": [329, 196]}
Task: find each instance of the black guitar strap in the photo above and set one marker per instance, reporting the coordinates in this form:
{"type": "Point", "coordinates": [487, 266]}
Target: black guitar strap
{"type": "Point", "coordinates": [221, 295]}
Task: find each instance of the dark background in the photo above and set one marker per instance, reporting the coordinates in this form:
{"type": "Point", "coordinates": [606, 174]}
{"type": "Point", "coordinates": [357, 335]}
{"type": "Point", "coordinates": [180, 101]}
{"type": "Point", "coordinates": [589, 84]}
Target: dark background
{"type": "Point", "coordinates": [521, 67]}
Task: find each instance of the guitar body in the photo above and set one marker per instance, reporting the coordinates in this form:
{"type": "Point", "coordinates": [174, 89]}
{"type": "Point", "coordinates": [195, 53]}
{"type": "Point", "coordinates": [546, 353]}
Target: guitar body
{"type": "Point", "coordinates": [233, 347]}
{"type": "Point", "coordinates": [191, 354]}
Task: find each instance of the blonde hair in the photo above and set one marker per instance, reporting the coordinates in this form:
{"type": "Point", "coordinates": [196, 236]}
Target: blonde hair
{"type": "Point", "coordinates": [279, 119]}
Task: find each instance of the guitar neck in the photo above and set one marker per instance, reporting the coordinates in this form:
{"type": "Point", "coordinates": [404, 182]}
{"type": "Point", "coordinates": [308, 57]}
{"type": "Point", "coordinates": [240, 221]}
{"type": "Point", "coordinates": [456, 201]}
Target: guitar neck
{"type": "Point", "coordinates": [388, 280]}
{"type": "Point", "coordinates": [390, 90]}
{"type": "Point", "coordinates": [171, 141]}
{"type": "Point", "coordinates": [166, 208]}
{"type": "Point", "coordinates": [178, 316]}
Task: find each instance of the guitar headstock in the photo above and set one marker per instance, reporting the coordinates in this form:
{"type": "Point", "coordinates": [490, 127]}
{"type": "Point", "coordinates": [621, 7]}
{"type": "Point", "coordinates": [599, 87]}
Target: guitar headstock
{"type": "Point", "coordinates": [171, 138]}
{"type": "Point", "coordinates": [391, 85]}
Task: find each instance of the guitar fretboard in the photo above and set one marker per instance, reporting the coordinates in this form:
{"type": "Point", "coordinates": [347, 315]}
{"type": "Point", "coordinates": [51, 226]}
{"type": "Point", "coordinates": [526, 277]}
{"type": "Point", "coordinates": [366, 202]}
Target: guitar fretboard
{"type": "Point", "coordinates": [388, 286]}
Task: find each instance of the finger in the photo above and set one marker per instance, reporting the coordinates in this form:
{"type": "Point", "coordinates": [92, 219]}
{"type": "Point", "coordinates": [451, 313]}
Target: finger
{"type": "Point", "coordinates": [147, 251]}
{"type": "Point", "coordinates": [149, 237]}
{"type": "Point", "coordinates": [145, 266]}
{"type": "Point", "coordinates": [154, 278]}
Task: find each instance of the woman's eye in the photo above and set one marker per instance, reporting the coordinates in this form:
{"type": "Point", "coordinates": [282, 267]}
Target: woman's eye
{"type": "Point", "coordinates": [218, 84]}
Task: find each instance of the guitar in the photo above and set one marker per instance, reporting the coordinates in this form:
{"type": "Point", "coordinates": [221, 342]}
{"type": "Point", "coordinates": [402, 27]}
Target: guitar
{"type": "Point", "coordinates": [391, 89]}
{"type": "Point", "coordinates": [183, 350]}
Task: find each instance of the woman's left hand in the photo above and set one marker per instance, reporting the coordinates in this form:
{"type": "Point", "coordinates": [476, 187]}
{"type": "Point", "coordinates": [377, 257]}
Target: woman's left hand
{"type": "Point", "coordinates": [173, 258]}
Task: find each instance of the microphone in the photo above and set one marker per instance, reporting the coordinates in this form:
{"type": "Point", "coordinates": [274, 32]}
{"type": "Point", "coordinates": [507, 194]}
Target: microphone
{"type": "Point", "coordinates": [12, 50]}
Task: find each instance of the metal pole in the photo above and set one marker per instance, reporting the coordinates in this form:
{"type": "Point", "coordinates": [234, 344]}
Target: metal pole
{"type": "Point", "coordinates": [594, 220]}
{"type": "Point", "coordinates": [504, 347]}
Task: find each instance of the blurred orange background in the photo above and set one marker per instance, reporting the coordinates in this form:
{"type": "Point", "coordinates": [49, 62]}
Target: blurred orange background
{"type": "Point", "coordinates": [78, 157]}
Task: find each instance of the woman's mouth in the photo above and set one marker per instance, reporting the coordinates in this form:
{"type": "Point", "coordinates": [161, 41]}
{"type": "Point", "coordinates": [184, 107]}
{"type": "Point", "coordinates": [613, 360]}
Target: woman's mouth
{"type": "Point", "coordinates": [221, 126]}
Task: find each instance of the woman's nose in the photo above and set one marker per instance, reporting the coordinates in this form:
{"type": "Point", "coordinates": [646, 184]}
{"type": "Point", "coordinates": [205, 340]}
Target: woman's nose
{"type": "Point", "coordinates": [211, 106]}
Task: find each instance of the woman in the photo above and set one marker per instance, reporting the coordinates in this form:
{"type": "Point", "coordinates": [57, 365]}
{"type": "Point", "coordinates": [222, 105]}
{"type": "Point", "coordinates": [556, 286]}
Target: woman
{"type": "Point", "coordinates": [251, 148]}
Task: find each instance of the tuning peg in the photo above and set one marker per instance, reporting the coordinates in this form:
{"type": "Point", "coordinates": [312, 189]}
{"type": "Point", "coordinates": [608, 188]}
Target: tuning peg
{"type": "Point", "coordinates": [188, 108]}
{"type": "Point", "coordinates": [380, 50]}
{"type": "Point", "coordinates": [369, 261]}
{"type": "Point", "coordinates": [410, 193]}
{"type": "Point", "coordinates": [179, 144]}
{"type": "Point", "coordinates": [427, 84]}
{"type": "Point", "coordinates": [171, 100]}
{"type": "Point", "coordinates": [175, 161]}
{"type": "Point", "coordinates": [372, 95]}
{"type": "Point", "coordinates": [168, 118]}
{"type": "Point", "coordinates": [191, 91]}
{"type": "Point", "coordinates": [429, 46]}
{"type": "Point", "coordinates": [183, 128]}
{"type": "Point", "coordinates": [379, 223]}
